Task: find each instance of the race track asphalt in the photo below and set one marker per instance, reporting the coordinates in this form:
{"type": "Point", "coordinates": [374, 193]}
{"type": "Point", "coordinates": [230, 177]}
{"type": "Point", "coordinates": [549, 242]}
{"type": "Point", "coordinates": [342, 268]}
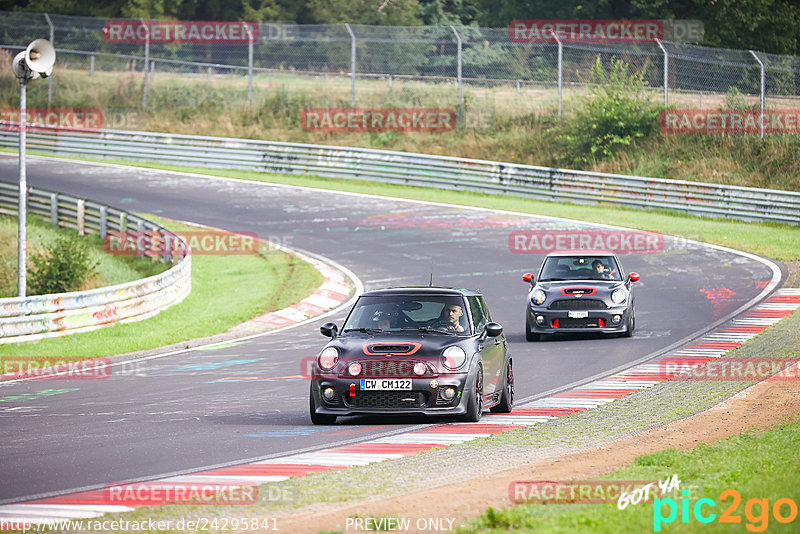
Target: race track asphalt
{"type": "Point", "coordinates": [206, 407]}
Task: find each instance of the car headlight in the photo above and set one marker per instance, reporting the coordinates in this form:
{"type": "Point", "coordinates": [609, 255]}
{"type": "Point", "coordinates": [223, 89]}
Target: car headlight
{"type": "Point", "coordinates": [327, 358]}
{"type": "Point", "coordinates": [539, 297]}
{"type": "Point", "coordinates": [454, 357]}
{"type": "Point", "coordinates": [618, 296]}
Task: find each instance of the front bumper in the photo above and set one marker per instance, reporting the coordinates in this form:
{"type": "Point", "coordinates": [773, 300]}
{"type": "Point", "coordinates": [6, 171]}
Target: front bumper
{"type": "Point", "coordinates": [422, 399]}
{"type": "Point", "coordinates": [566, 322]}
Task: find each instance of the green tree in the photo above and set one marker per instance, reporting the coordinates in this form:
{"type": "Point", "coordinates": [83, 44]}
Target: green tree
{"type": "Point", "coordinates": [450, 12]}
{"type": "Point", "coordinates": [272, 10]}
{"type": "Point", "coordinates": [375, 12]}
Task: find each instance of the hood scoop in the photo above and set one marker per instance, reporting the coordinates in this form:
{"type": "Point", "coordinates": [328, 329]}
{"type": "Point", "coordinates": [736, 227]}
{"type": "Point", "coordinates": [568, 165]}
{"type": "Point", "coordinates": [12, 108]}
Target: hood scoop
{"type": "Point", "coordinates": [391, 348]}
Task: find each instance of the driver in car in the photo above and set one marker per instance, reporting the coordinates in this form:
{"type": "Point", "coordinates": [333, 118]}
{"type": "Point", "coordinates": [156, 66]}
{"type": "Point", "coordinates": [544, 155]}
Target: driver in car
{"type": "Point", "coordinates": [450, 319]}
{"type": "Point", "coordinates": [600, 270]}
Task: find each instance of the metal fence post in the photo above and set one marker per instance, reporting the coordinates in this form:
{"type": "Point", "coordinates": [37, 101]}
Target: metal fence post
{"type": "Point", "coordinates": [666, 73]}
{"type": "Point", "coordinates": [352, 66]}
{"type": "Point", "coordinates": [458, 70]}
{"type": "Point", "coordinates": [560, 72]}
{"type": "Point", "coordinates": [763, 74]}
{"type": "Point", "coordinates": [249, 64]}
{"type": "Point", "coordinates": [103, 221]}
{"type": "Point", "coordinates": [91, 65]}
{"type": "Point", "coordinates": [146, 63]}
{"type": "Point", "coordinates": [52, 42]}
{"type": "Point", "coordinates": [22, 246]}
{"type": "Point", "coordinates": [54, 209]}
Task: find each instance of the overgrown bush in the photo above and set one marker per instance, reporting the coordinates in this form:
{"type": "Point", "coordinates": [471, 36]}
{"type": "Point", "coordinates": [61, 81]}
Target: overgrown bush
{"type": "Point", "coordinates": [616, 113]}
{"type": "Point", "coordinates": [64, 265]}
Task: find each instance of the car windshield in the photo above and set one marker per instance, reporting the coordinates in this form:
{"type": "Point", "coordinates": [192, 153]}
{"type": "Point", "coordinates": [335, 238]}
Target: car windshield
{"type": "Point", "coordinates": [579, 268]}
{"type": "Point", "coordinates": [423, 313]}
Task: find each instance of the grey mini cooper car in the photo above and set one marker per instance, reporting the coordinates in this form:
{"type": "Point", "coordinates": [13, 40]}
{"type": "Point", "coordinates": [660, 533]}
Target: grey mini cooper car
{"type": "Point", "coordinates": [580, 291]}
{"type": "Point", "coordinates": [413, 351]}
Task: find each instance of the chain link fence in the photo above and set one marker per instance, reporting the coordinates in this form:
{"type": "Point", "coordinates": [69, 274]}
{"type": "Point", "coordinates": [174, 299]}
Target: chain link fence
{"type": "Point", "coordinates": [468, 68]}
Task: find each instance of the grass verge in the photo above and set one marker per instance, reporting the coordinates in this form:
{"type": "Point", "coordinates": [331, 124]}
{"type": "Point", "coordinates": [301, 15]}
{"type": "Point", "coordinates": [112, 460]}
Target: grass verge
{"type": "Point", "coordinates": [226, 290]}
{"type": "Point", "coordinates": [757, 465]}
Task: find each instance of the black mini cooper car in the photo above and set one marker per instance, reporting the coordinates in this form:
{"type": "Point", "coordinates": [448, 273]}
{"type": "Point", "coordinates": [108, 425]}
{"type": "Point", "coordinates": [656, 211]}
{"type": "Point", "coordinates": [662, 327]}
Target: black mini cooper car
{"type": "Point", "coordinates": [413, 351]}
{"type": "Point", "coordinates": [580, 291]}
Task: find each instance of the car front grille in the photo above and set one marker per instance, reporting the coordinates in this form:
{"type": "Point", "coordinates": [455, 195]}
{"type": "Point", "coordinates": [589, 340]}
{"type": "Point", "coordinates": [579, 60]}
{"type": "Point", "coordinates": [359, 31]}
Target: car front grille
{"type": "Point", "coordinates": [578, 304]}
{"type": "Point", "coordinates": [578, 323]}
{"type": "Point", "coordinates": [388, 399]}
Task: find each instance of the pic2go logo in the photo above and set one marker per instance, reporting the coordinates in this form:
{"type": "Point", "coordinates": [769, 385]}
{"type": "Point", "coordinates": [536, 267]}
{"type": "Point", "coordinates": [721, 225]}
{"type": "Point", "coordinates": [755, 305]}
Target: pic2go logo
{"type": "Point", "coordinates": [756, 511]}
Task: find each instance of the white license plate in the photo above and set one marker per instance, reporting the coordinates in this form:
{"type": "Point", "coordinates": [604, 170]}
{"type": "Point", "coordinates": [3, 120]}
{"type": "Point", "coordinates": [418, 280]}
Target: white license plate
{"type": "Point", "coordinates": [578, 314]}
{"type": "Point", "coordinates": [384, 384]}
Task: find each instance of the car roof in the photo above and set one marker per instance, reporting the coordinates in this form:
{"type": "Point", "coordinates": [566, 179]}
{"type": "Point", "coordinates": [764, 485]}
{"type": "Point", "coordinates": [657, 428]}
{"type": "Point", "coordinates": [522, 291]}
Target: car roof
{"type": "Point", "coordinates": [423, 290]}
{"type": "Point", "coordinates": [581, 252]}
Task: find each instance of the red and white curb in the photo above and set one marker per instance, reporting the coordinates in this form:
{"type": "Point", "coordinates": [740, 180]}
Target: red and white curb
{"type": "Point", "coordinates": [91, 504]}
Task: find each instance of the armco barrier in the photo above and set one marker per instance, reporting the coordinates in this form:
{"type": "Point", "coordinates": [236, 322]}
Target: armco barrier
{"type": "Point", "coordinates": [542, 183]}
{"type": "Point", "coordinates": [40, 316]}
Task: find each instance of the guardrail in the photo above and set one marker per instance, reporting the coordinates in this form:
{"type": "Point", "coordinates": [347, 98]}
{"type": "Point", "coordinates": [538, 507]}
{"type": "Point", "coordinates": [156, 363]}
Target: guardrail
{"type": "Point", "coordinates": [40, 316]}
{"type": "Point", "coordinates": [542, 183]}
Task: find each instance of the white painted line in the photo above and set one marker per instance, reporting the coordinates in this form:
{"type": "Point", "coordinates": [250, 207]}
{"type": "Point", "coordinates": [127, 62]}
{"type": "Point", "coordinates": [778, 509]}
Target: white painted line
{"type": "Point", "coordinates": [221, 479]}
{"type": "Point", "coordinates": [732, 336]}
{"type": "Point", "coordinates": [56, 514]}
{"type": "Point", "coordinates": [429, 438]}
{"type": "Point", "coordinates": [758, 321]}
{"type": "Point", "coordinates": [714, 353]}
{"type": "Point", "coordinates": [292, 314]}
{"type": "Point", "coordinates": [620, 384]}
{"type": "Point", "coordinates": [321, 300]}
{"type": "Point", "coordinates": [512, 419]}
{"type": "Point", "coordinates": [776, 306]}
{"type": "Point", "coordinates": [568, 403]}
{"type": "Point", "coordinates": [333, 286]}
{"type": "Point", "coordinates": [330, 458]}
{"type": "Point", "coordinates": [101, 508]}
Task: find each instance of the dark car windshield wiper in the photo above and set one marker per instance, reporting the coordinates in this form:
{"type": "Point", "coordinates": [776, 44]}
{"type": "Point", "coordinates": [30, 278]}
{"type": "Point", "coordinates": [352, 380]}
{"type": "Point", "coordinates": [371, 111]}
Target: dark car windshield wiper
{"type": "Point", "coordinates": [365, 330]}
{"type": "Point", "coordinates": [425, 329]}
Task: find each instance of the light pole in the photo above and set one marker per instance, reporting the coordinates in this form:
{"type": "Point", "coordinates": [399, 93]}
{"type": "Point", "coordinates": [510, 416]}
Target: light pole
{"type": "Point", "coordinates": [37, 60]}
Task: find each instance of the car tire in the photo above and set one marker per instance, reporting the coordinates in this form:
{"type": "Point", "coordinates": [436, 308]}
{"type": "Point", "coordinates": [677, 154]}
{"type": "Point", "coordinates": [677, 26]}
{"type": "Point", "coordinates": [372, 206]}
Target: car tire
{"type": "Point", "coordinates": [530, 336]}
{"type": "Point", "coordinates": [506, 403]}
{"type": "Point", "coordinates": [631, 324]}
{"type": "Point", "coordinates": [318, 418]}
{"type": "Point", "coordinates": [475, 402]}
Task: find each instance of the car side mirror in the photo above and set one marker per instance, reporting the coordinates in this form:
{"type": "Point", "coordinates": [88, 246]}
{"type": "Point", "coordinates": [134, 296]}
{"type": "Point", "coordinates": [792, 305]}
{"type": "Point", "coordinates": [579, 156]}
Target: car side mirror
{"type": "Point", "coordinates": [527, 277]}
{"type": "Point", "coordinates": [493, 329]}
{"type": "Point", "coordinates": [634, 277]}
{"type": "Point", "coordinates": [329, 330]}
